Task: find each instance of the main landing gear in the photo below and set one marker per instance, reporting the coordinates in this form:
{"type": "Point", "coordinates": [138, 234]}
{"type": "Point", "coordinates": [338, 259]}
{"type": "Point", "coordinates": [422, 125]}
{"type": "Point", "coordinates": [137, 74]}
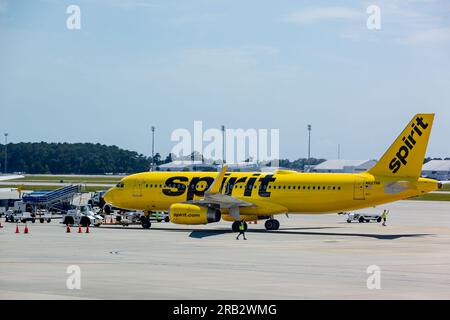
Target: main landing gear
{"type": "Point", "coordinates": [272, 224]}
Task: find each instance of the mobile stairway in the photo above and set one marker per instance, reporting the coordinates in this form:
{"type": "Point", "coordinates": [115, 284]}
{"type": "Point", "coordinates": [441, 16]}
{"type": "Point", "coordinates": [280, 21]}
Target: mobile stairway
{"type": "Point", "coordinates": [51, 199]}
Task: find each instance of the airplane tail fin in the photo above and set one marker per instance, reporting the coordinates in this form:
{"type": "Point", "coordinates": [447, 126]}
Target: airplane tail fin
{"type": "Point", "coordinates": [405, 156]}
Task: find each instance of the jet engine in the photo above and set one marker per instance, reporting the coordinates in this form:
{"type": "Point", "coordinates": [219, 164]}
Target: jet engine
{"type": "Point", "coordinates": [182, 213]}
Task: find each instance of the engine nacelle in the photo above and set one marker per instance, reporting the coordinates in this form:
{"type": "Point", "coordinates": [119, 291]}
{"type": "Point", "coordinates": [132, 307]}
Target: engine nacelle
{"type": "Point", "coordinates": [182, 213]}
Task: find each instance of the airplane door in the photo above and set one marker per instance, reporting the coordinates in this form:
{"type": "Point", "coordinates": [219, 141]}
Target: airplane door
{"type": "Point", "coordinates": [137, 188]}
{"type": "Point", "coordinates": [359, 189]}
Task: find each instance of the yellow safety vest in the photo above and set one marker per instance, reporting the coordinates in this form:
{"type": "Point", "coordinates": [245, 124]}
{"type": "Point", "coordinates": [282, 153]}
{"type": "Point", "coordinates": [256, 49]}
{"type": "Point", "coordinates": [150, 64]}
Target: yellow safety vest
{"type": "Point", "coordinates": [241, 227]}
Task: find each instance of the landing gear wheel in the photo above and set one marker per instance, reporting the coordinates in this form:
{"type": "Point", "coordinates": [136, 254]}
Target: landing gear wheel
{"type": "Point", "coordinates": [361, 219]}
{"type": "Point", "coordinates": [41, 220]}
{"type": "Point", "coordinates": [166, 219]}
{"type": "Point", "coordinates": [379, 220]}
{"type": "Point", "coordinates": [145, 222]}
{"type": "Point", "coordinates": [272, 224]}
{"type": "Point", "coordinates": [107, 209]}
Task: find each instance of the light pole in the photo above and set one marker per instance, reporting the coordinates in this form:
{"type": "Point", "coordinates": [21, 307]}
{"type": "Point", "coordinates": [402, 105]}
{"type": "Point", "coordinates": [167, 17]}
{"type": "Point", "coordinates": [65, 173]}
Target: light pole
{"type": "Point", "coordinates": [339, 151]}
{"type": "Point", "coordinates": [6, 153]}
{"type": "Point", "coordinates": [309, 146]}
{"type": "Point", "coordinates": [153, 148]}
{"type": "Point", "coordinates": [223, 145]}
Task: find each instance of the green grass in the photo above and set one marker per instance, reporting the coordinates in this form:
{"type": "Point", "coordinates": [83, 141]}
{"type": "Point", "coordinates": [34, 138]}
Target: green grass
{"type": "Point", "coordinates": [433, 197]}
{"type": "Point", "coordinates": [68, 179]}
{"type": "Point", "coordinates": [36, 188]}
{"type": "Point", "coordinates": [445, 187]}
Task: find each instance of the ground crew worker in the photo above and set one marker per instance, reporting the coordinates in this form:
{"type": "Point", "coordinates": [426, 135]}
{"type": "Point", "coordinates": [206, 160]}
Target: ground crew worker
{"type": "Point", "coordinates": [241, 230]}
{"type": "Point", "coordinates": [384, 216]}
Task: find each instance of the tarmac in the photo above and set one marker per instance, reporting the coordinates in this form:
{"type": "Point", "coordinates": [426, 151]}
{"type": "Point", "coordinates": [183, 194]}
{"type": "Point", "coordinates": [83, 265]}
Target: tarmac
{"type": "Point", "coordinates": [310, 257]}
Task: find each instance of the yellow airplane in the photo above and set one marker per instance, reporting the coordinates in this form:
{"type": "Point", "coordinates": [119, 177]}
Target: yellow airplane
{"type": "Point", "coordinates": [205, 197]}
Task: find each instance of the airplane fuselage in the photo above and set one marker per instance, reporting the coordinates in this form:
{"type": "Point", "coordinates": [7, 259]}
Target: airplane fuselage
{"type": "Point", "coordinates": [283, 191]}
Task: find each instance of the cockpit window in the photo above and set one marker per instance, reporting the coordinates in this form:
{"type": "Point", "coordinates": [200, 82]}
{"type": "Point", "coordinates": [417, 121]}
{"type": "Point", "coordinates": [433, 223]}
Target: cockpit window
{"type": "Point", "coordinates": [120, 185]}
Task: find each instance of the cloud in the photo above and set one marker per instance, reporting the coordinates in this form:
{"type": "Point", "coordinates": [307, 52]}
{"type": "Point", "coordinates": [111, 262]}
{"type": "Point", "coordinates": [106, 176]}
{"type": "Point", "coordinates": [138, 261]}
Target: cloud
{"type": "Point", "coordinates": [3, 6]}
{"type": "Point", "coordinates": [130, 4]}
{"type": "Point", "coordinates": [432, 36]}
{"type": "Point", "coordinates": [246, 55]}
{"type": "Point", "coordinates": [318, 14]}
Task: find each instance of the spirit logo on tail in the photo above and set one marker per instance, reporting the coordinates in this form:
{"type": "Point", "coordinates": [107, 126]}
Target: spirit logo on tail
{"type": "Point", "coordinates": [409, 143]}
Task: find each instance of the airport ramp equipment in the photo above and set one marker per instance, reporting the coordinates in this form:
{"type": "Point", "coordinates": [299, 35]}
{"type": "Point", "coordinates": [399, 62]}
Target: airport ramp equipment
{"type": "Point", "coordinates": [51, 198]}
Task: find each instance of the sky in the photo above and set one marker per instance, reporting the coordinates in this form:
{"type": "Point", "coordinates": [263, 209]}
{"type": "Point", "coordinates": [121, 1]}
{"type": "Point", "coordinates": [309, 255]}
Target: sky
{"type": "Point", "coordinates": [243, 64]}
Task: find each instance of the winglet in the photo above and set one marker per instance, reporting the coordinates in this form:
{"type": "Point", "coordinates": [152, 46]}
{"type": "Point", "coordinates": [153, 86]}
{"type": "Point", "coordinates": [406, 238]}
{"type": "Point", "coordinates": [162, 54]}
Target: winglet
{"type": "Point", "coordinates": [217, 183]}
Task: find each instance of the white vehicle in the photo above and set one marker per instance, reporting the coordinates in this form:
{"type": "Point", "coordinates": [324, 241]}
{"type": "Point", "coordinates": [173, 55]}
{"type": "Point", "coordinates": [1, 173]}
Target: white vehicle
{"type": "Point", "coordinates": [22, 213]}
{"type": "Point", "coordinates": [138, 217]}
{"type": "Point", "coordinates": [160, 216]}
{"type": "Point", "coordinates": [19, 216]}
{"type": "Point", "coordinates": [132, 216]}
{"type": "Point", "coordinates": [363, 217]}
{"type": "Point", "coordinates": [82, 215]}
{"type": "Point", "coordinates": [19, 213]}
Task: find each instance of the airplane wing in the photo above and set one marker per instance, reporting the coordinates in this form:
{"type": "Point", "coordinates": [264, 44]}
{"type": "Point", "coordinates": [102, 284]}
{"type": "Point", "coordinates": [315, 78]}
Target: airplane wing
{"type": "Point", "coordinates": [10, 177]}
{"type": "Point", "coordinates": [213, 195]}
{"type": "Point", "coordinates": [223, 200]}
{"type": "Point", "coordinates": [235, 205]}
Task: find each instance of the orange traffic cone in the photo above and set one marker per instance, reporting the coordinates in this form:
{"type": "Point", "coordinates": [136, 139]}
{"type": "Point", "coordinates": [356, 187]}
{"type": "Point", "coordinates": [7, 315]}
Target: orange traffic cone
{"type": "Point", "coordinates": [17, 228]}
{"type": "Point", "coordinates": [26, 229]}
{"type": "Point", "coordinates": [68, 229]}
{"type": "Point", "coordinates": [79, 229]}
{"type": "Point", "coordinates": [87, 228]}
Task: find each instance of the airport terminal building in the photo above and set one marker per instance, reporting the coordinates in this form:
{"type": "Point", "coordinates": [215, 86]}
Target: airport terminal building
{"type": "Point", "coordinates": [344, 166]}
{"type": "Point", "coordinates": [437, 169]}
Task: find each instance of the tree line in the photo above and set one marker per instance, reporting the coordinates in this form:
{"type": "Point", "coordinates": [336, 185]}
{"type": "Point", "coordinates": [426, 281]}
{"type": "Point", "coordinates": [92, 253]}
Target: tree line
{"type": "Point", "coordinates": [71, 158]}
{"type": "Point", "coordinates": [95, 158]}
{"type": "Point", "coordinates": [91, 158]}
